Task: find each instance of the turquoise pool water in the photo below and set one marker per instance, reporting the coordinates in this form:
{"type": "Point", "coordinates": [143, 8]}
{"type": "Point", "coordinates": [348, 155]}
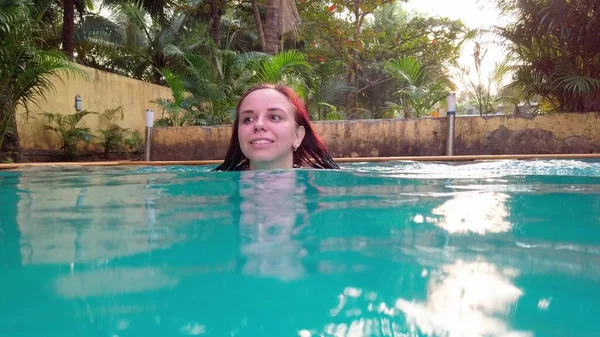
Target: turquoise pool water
{"type": "Point", "coordinates": [508, 248]}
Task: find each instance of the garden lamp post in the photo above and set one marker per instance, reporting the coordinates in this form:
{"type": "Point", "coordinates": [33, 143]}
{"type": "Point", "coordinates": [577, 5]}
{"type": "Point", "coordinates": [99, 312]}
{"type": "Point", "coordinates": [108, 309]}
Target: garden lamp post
{"type": "Point", "coordinates": [149, 125]}
{"type": "Point", "coordinates": [450, 115]}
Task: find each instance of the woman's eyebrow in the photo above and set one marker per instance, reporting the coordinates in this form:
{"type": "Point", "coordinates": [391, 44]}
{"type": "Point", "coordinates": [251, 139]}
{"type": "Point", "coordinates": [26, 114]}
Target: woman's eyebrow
{"type": "Point", "coordinates": [248, 111]}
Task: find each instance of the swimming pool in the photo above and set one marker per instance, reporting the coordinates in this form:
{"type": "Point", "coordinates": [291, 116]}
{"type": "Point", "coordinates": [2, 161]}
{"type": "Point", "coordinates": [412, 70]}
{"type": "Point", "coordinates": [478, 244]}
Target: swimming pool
{"type": "Point", "coordinates": [494, 248]}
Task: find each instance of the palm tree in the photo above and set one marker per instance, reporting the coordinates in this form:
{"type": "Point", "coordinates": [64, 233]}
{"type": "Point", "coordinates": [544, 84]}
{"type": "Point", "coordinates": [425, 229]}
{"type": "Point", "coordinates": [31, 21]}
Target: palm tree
{"type": "Point", "coordinates": [68, 29]}
{"type": "Point", "coordinates": [157, 9]}
{"type": "Point", "coordinates": [133, 44]}
{"type": "Point", "coordinates": [422, 86]}
{"type": "Point", "coordinates": [207, 91]}
{"type": "Point", "coordinates": [25, 70]}
{"type": "Point", "coordinates": [115, 137]}
{"type": "Point", "coordinates": [69, 129]}
{"type": "Point", "coordinates": [554, 47]}
{"type": "Point", "coordinates": [209, 11]}
{"type": "Point", "coordinates": [281, 16]}
{"type": "Point", "coordinates": [68, 23]}
{"type": "Point", "coordinates": [327, 96]}
{"type": "Point", "coordinates": [272, 26]}
{"type": "Point", "coordinates": [258, 24]}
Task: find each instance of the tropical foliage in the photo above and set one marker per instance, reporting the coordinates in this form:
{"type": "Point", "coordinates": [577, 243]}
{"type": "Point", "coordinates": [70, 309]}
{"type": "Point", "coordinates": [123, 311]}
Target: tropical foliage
{"type": "Point", "coordinates": [26, 69]}
{"type": "Point", "coordinates": [70, 130]}
{"type": "Point", "coordinates": [348, 59]}
{"type": "Point", "coordinates": [115, 138]}
{"type": "Point", "coordinates": [207, 90]}
{"type": "Point", "coordinates": [73, 133]}
{"type": "Point", "coordinates": [422, 85]}
{"type": "Point", "coordinates": [358, 39]}
{"type": "Point", "coordinates": [555, 51]}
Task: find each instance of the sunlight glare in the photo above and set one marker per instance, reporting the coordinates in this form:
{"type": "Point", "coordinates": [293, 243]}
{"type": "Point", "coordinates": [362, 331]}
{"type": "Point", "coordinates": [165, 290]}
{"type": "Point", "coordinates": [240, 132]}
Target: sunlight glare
{"type": "Point", "coordinates": [475, 212]}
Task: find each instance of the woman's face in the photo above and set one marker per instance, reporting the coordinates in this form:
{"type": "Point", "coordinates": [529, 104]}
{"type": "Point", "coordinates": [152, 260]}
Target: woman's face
{"type": "Point", "coordinates": [267, 130]}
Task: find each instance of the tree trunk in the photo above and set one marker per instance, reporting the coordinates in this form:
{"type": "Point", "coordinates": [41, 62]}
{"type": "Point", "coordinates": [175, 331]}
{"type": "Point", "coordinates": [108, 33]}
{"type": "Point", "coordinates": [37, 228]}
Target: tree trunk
{"type": "Point", "coordinates": [259, 28]}
{"type": "Point", "coordinates": [215, 29]}
{"type": "Point", "coordinates": [159, 62]}
{"type": "Point", "coordinates": [9, 141]}
{"type": "Point", "coordinates": [216, 11]}
{"type": "Point", "coordinates": [272, 27]}
{"type": "Point", "coordinates": [68, 30]}
{"type": "Point", "coordinates": [279, 27]}
{"type": "Point", "coordinates": [352, 103]}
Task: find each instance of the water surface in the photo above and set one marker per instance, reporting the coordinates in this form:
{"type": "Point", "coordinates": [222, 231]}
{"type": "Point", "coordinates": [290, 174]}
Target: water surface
{"type": "Point", "coordinates": [502, 248]}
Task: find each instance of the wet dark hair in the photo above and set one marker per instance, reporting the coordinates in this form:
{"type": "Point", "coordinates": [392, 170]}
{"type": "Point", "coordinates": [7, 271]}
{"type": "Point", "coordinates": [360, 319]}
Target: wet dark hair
{"type": "Point", "coordinates": [310, 153]}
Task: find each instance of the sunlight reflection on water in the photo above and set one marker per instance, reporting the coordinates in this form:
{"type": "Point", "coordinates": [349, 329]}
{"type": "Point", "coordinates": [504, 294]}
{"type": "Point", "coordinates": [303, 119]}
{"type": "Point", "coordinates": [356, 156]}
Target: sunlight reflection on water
{"type": "Point", "coordinates": [398, 249]}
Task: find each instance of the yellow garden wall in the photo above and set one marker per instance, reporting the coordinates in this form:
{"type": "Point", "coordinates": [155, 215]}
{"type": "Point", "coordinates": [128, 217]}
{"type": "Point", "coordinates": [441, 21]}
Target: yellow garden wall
{"type": "Point", "coordinates": [100, 91]}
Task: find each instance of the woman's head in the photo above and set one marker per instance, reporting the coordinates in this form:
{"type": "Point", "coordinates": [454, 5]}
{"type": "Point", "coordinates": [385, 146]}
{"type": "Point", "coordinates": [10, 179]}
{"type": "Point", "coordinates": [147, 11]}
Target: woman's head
{"type": "Point", "coordinates": [272, 130]}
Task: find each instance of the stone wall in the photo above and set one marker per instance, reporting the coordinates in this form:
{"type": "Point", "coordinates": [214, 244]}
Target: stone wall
{"type": "Point", "coordinates": [537, 134]}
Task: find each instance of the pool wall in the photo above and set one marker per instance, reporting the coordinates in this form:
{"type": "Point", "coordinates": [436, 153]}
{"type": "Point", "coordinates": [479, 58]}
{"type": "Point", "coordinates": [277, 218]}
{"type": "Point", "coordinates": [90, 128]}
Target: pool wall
{"type": "Point", "coordinates": [475, 135]}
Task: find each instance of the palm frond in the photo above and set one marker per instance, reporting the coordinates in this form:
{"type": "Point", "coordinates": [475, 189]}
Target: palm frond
{"type": "Point", "coordinates": [196, 38]}
{"type": "Point", "coordinates": [332, 91]}
{"type": "Point", "coordinates": [578, 85]}
{"type": "Point", "coordinates": [198, 66]}
{"type": "Point", "coordinates": [10, 12]}
{"type": "Point", "coordinates": [35, 80]}
{"type": "Point", "coordinates": [113, 114]}
{"type": "Point", "coordinates": [168, 32]}
{"type": "Point", "coordinates": [173, 50]}
{"type": "Point", "coordinates": [408, 68]}
{"type": "Point", "coordinates": [277, 66]}
{"type": "Point", "coordinates": [100, 30]}
{"type": "Point", "coordinates": [37, 9]}
{"type": "Point", "coordinates": [156, 8]}
{"type": "Point", "coordinates": [176, 86]}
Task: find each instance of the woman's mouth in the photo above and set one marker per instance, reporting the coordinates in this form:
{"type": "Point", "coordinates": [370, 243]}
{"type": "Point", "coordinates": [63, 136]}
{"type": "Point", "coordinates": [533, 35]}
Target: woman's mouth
{"type": "Point", "coordinates": [261, 141]}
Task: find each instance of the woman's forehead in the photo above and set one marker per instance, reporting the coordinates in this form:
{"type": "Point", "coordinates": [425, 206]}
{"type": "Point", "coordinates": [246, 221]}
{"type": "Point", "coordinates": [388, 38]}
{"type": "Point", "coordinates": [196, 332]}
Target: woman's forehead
{"type": "Point", "coordinates": [266, 99]}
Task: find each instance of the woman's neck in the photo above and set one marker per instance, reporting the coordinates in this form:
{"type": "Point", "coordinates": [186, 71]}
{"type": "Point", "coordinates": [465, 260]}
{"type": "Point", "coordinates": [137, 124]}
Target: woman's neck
{"type": "Point", "coordinates": [287, 163]}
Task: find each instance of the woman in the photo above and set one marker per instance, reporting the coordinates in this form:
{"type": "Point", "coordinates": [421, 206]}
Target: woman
{"type": "Point", "coordinates": [272, 130]}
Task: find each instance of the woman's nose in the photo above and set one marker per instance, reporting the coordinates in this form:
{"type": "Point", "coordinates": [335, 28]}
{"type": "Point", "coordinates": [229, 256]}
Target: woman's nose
{"type": "Point", "coordinates": [259, 125]}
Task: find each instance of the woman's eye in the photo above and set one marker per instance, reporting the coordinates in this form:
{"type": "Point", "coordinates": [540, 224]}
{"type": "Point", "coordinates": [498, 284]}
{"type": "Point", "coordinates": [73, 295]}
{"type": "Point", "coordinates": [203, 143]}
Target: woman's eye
{"type": "Point", "coordinates": [247, 120]}
{"type": "Point", "coordinates": [275, 117]}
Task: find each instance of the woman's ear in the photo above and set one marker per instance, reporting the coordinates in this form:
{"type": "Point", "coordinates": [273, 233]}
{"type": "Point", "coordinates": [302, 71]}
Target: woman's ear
{"type": "Point", "coordinates": [300, 132]}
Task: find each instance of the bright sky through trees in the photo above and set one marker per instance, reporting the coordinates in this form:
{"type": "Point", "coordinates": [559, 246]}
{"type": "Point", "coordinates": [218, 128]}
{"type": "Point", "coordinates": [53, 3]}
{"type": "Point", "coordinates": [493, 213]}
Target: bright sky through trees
{"type": "Point", "coordinates": [475, 14]}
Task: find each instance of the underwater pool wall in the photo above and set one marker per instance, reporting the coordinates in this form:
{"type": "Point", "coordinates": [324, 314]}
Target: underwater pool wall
{"type": "Point", "coordinates": [475, 135]}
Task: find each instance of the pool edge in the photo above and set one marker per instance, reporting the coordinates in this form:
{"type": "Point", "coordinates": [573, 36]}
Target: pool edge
{"type": "Point", "coordinates": [338, 160]}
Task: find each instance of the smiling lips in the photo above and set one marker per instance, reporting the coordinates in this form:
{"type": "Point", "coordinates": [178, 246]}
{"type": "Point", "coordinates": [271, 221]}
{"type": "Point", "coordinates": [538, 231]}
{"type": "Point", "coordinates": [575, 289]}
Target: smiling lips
{"type": "Point", "coordinates": [261, 141]}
